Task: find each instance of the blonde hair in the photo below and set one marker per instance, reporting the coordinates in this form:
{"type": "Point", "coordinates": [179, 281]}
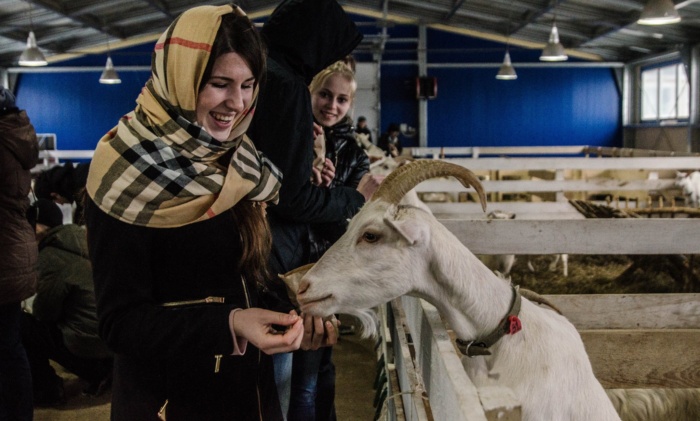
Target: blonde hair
{"type": "Point", "coordinates": [338, 68]}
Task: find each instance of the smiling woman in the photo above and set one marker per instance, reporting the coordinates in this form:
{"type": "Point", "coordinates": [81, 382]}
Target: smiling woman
{"type": "Point", "coordinates": [225, 95]}
{"type": "Point", "coordinates": [177, 192]}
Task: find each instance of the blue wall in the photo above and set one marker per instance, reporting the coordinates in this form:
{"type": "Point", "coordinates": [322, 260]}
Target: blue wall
{"type": "Point", "coordinates": [75, 106]}
{"type": "Point", "coordinates": [555, 106]}
{"type": "Point", "coordinates": [543, 107]}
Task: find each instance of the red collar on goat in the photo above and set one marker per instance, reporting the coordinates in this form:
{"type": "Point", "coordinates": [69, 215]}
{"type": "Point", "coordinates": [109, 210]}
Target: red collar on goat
{"type": "Point", "coordinates": [509, 325]}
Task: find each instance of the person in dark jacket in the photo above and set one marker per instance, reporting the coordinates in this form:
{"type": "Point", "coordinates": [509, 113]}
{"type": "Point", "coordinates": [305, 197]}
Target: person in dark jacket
{"type": "Point", "coordinates": [177, 233]}
{"type": "Point", "coordinates": [389, 141]}
{"type": "Point", "coordinates": [361, 128]}
{"type": "Point", "coordinates": [19, 152]}
{"type": "Point", "coordinates": [332, 95]}
{"type": "Point", "coordinates": [64, 184]}
{"type": "Point", "coordinates": [62, 325]}
{"type": "Point", "coordinates": [303, 38]}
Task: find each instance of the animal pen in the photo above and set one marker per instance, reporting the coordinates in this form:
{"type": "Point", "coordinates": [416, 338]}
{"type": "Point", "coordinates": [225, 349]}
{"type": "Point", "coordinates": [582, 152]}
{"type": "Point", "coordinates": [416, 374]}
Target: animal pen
{"type": "Point", "coordinates": [634, 341]}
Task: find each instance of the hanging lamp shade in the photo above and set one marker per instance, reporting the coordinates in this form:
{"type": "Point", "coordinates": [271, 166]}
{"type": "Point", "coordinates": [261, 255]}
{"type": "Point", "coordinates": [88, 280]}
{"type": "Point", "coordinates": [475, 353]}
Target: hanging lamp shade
{"type": "Point", "coordinates": [553, 51]}
{"type": "Point", "coordinates": [109, 75]}
{"type": "Point", "coordinates": [659, 12]}
{"type": "Point", "coordinates": [506, 71]}
{"type": "Point", "coordinates": [32, 56]}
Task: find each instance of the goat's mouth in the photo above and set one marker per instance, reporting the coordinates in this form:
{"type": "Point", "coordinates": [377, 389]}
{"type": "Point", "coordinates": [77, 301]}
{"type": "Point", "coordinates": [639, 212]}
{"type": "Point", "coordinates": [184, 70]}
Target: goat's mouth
{"type": "Point", "coordinates": [307, 305]}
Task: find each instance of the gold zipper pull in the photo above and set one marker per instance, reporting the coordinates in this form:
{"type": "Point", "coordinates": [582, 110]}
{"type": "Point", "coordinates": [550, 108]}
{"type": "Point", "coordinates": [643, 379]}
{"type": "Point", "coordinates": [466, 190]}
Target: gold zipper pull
{"type": "Point", "coordinates": [217, 365]}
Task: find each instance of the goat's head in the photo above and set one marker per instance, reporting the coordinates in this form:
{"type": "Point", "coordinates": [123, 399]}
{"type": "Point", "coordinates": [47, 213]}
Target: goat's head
{"type": "Point", "coordinates": [386, 249]}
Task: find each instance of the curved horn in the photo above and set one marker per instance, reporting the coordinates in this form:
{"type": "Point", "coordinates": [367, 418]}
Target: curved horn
{"type": "Point", "coordinates": [404, 178]}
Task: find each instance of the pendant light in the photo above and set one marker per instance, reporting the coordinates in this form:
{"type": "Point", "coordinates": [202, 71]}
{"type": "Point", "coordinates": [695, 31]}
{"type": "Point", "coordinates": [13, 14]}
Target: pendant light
{"type": "Point", "coordinates": [506, 71]}
{"type": "Point", "coordinates": [32, 56]}
{"type": "Point", "coordinates": [554, 51]}
{"type": "Point", "coordinates": [109, 75]}
{"type": "Point", "coordinates": [659, 12]}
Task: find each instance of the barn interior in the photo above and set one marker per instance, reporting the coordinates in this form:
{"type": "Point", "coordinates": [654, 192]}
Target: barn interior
{"type": "Point", "coordinates": [587, 150]}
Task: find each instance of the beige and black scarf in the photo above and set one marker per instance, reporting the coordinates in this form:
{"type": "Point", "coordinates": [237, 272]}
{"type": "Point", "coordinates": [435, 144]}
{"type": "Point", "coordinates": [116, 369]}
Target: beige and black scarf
{"type": "Point", "coordinates": [157, 168]}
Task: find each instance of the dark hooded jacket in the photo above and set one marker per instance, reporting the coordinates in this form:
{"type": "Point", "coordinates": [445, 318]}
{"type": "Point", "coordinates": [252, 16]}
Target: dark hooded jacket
{"type": "Point", "coordinates": [303, 37]}
{"type": "Point", "coordinates": [19, 153]}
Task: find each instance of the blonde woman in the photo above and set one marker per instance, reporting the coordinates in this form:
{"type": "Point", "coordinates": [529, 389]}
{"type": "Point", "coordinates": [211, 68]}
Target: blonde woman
{"type": "Point", "coordinates": [344, 164]}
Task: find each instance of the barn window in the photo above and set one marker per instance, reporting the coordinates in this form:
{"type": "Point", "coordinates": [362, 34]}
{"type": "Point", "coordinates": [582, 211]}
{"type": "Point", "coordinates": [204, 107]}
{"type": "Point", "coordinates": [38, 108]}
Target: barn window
{"type": "Point", "coordinates": [665, 94]}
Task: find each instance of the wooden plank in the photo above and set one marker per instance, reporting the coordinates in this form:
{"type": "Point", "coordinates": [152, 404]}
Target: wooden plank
{"type": "Point", "coordinates": [67, 154]}
{"type": "Point", "coordinates": [386, 353]}
{"type": "Point", "coordinates": [570, 163]}
{"type": "Point", "coordinates": [645, 358]}
{"type": "Point", "coordinates": [630, 311]}
{"type": "Point", "coordinates": [476, 151]}
{"type": "Point", "coordinates": [516, 207]}
{"type": "Point", "coordinates": [522, 210]}
{"type": "Point", "coordinates": [630, 152]}
{"type": "Point", "coordinates": [543, 186]}
{"type": "Point", "coordinates": [499, 403]}
{"type": "Point", "coordinates": [587, 236]}
{"type": "Point", "coordinates": [413, 405]}
{"type": "Point", "coordinates": [522, 216]}
{"type": "Point", "coordinates": [452, 394]}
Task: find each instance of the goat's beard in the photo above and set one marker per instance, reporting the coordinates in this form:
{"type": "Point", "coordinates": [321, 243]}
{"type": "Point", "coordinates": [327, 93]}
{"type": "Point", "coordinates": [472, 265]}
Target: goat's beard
{"type": "Point", "coordinates": [368, 322]}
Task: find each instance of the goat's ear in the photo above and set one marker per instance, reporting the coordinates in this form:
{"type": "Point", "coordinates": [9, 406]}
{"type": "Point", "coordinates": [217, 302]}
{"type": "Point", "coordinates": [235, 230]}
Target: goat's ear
{"type": "Point", "coordinates": [415, 232]}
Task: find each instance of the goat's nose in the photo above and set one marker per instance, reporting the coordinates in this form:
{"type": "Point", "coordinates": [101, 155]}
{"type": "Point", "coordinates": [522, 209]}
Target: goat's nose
{"type": "Point", "coordinates": [303, 286]}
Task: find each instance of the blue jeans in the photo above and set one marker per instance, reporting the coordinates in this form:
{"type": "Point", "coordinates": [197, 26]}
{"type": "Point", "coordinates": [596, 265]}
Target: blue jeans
{"type": "Point", "coordinates": [283, 378]}
{"type": "Point", "coordinates": [16, 399]}
{"type": "Point", "coordinates": [313, 386]}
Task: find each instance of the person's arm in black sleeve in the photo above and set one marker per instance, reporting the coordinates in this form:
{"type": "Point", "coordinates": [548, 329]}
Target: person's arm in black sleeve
{"type": "Point", "coordinates": [283, 130]}
{"type": "Point", "coordinates": [130, 321]}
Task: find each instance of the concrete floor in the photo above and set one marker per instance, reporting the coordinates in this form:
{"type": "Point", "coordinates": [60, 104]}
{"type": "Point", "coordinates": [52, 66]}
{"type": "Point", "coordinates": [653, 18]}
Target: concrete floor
{"type": "Point", "coordinates": [355, 363]}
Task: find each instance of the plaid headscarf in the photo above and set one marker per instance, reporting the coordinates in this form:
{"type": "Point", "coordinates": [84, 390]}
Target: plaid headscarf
{"type": "Point", "coordinates": [157, 168]}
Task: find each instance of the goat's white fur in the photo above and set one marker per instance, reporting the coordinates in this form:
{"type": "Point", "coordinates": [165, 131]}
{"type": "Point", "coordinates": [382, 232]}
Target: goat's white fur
{"type": "Point", "coordinates": [370, 148]}
{"type": "Point", "coordinates": [390, 250]}
{"type": "Point", "coordinates": [690, 183]}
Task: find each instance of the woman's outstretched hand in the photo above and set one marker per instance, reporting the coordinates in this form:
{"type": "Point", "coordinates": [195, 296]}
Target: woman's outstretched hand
{"type": "Point", "coordinates": [256, 325]}
{"type": "Point", "coordinates": [318, 333]}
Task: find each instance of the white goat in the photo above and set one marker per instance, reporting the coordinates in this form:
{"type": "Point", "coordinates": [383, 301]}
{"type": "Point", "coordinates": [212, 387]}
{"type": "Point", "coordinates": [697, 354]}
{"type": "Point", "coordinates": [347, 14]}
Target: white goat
{"type": "Point", "coordinates": [556, 259]}
{"type": "Point", "coordinates": [690, 183]}
{"type": "Point", "coordinates": [372, 150]}
{"type": "Point", "coordinates": [390, 250]}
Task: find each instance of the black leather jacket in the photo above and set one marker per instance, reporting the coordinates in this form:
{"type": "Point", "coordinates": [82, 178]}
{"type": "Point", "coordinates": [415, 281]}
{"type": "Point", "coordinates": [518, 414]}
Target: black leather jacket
{"type": "Point", "coordinates": [351, 163]}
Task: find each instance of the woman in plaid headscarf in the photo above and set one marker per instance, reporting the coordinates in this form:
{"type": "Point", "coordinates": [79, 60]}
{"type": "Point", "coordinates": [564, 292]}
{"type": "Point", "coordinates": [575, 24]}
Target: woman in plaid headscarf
{"type": "Point", "coordinates": [177, 232]}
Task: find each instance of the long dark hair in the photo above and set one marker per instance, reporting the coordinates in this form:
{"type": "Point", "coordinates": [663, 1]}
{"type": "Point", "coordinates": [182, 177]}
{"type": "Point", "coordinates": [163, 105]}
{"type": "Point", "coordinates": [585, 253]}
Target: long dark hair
{"type": "Point", "coordinates": [238, 34]}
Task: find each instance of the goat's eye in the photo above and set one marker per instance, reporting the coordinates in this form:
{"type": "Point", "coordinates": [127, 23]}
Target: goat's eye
{"type": "Point", "coordinates": [370, 237]}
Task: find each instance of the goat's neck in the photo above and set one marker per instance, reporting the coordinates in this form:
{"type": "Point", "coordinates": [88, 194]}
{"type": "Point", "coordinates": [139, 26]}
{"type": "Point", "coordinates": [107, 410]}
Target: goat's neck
{"type": "Point", "coordinates": [467, 293]}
